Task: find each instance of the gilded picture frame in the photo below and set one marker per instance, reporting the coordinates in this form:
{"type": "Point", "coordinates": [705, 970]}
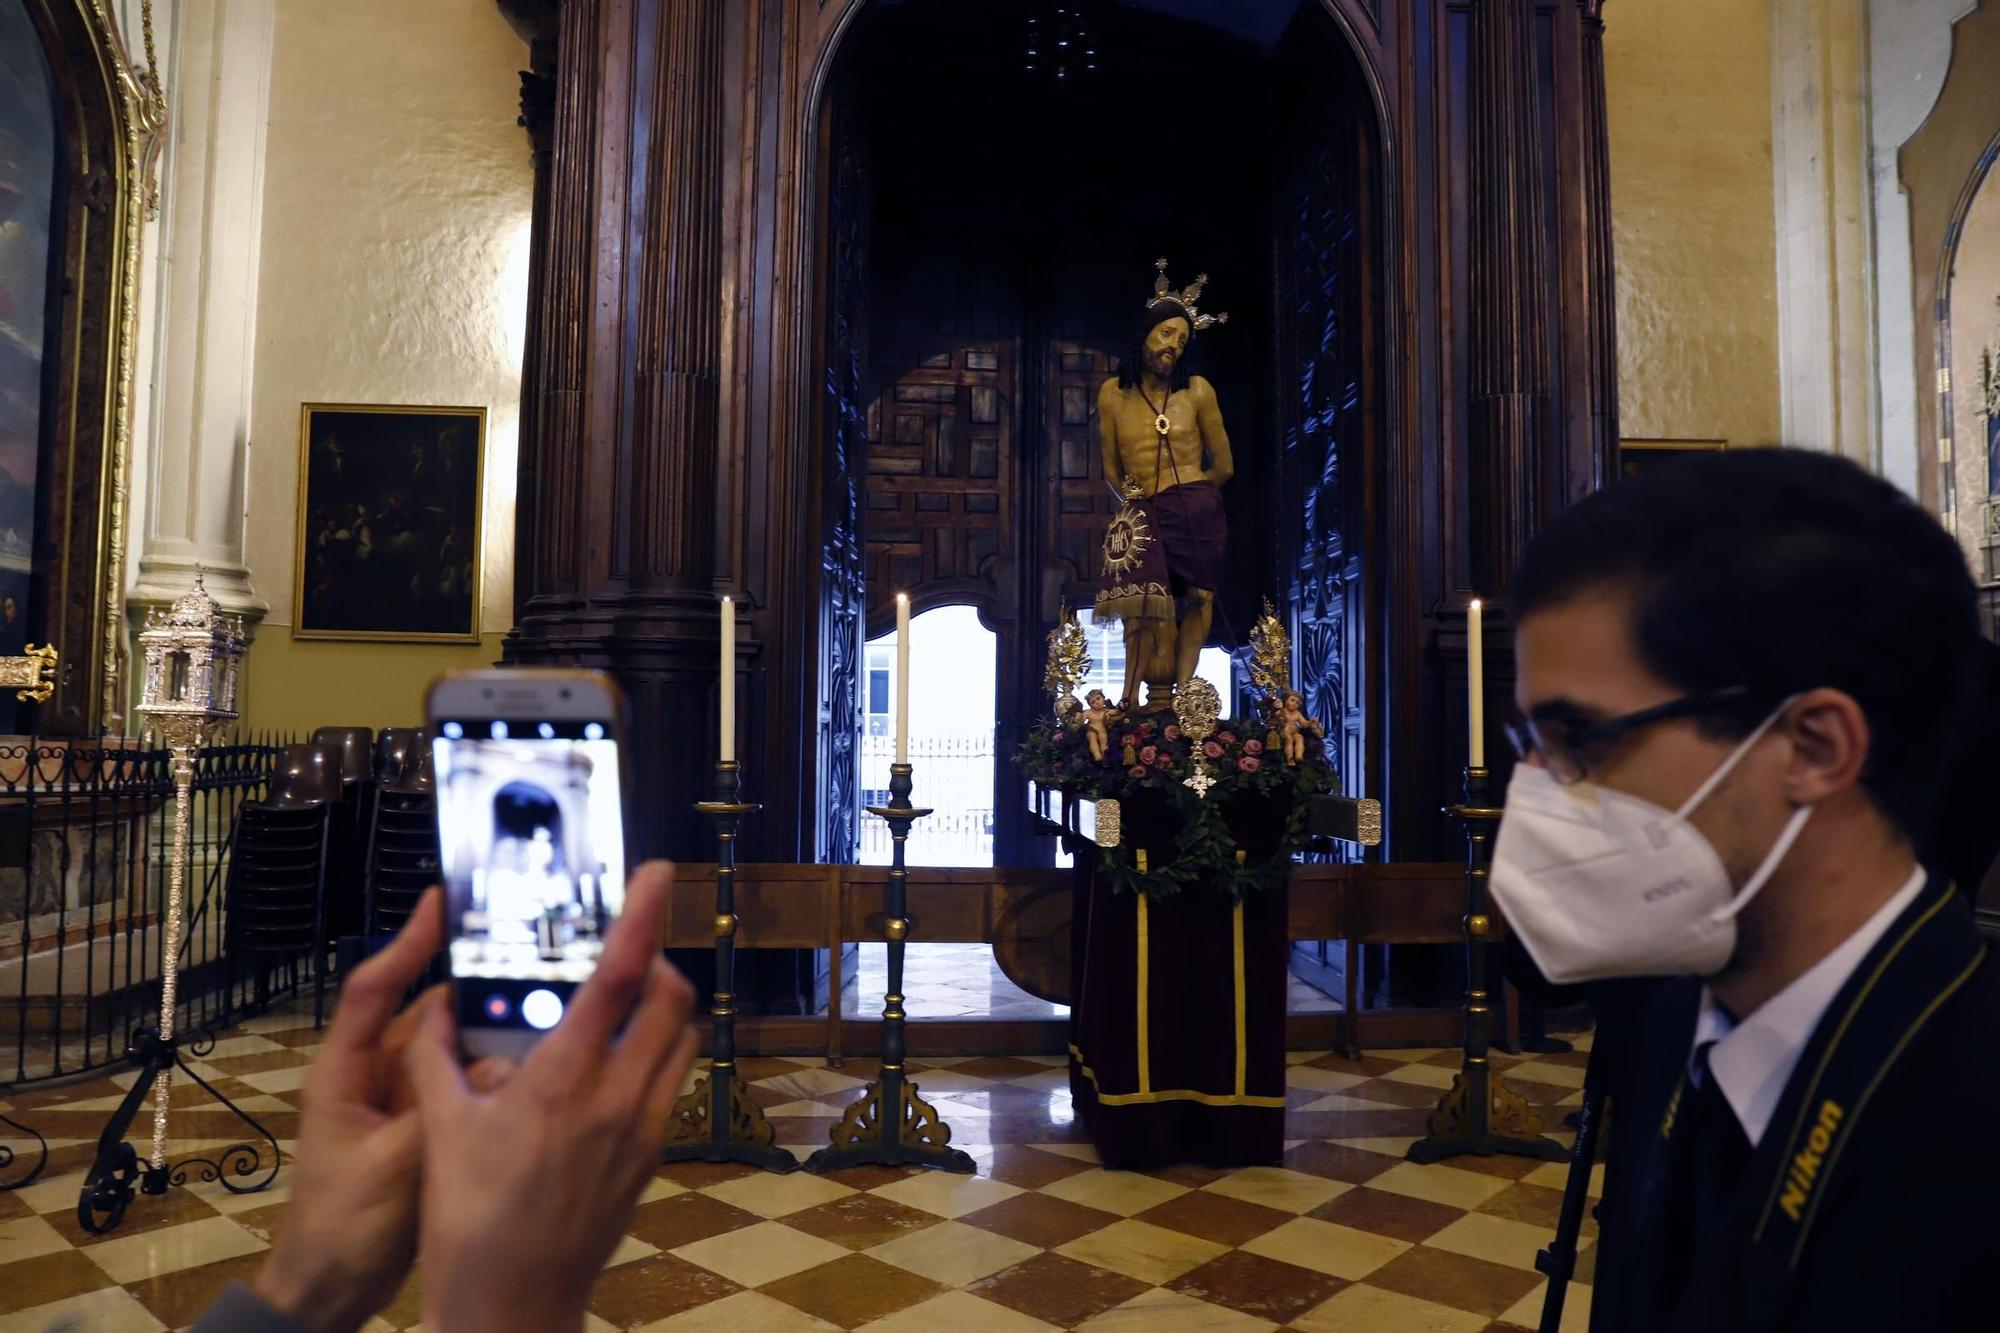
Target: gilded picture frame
{"type": "Point", "coordinates": [1636, 455]}
{"type": "Point", "coordinates": [390, 523]}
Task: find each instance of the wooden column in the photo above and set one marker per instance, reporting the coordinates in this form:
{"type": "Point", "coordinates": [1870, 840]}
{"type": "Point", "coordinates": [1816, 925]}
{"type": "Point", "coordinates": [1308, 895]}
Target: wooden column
{"type": "Point", "coordinates": [1510, 294]}
{"type": "Point", "coordinates": [621, 394]}
{"type": "Point", "coordinates": [1599, 277]}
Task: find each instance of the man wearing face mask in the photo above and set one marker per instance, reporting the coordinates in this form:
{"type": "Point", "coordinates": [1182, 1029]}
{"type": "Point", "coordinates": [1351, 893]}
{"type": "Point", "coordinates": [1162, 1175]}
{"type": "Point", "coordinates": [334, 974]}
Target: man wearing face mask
{"type": "Point", "coordinates": [1739, 677]}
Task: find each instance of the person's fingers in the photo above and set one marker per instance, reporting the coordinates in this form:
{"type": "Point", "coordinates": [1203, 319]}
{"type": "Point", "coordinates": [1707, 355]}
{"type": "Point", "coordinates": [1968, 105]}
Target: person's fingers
{"type": "Point", "coordinates": [392, 1083]}
{"type": "Point", "coordinates": [602, 1002]}
{"type": "Point", "coordinates": [489, 1074]}
{"type": "Point", "coordinates": [653, 1034]}
{"type": "Point", "coordinates": [657, 1108]}
{"type": "Point", "coordinates": [430, 1062]}
{"type": "Point", "coordinates": [369, 997]}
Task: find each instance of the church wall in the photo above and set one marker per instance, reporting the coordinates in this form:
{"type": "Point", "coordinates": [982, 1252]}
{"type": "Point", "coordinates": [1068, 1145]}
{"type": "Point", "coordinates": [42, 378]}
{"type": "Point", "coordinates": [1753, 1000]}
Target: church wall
{"type": "Point", "coordinates": [1688, 88]}
{"type": "Point", "coordinates": [397, 194]}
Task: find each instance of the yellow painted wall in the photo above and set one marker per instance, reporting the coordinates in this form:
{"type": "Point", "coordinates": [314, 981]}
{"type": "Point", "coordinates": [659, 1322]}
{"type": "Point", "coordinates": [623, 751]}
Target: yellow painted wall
{"type": "Point", "coordinates": [1688, 87]}
{"type": "Point", "coordinates": [394, 265]}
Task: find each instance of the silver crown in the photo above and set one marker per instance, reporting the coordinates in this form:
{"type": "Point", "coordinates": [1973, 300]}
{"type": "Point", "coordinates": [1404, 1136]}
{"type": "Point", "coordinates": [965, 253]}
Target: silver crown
{"type": "Point", "coordinates": [1185, 298]}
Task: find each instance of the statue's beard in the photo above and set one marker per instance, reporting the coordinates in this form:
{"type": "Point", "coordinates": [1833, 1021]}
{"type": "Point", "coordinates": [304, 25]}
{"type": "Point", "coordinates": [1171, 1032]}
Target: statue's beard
{"type": "Point", "coordinates": [1162, 364]}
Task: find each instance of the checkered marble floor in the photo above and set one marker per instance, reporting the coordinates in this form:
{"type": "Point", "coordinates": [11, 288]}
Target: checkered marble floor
{"type": "Point", "coordinates": [1342, 1234]}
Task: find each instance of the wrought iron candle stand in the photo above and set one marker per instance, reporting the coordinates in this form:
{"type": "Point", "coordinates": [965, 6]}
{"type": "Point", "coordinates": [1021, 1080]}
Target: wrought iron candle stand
{"type": "Point", "coordinates": [1480, 1114]}
{"type": "Point", "coordinates": [192, 652]}
{"type": "Point", "coordinates": [715, 1122]}
{"type": "Point", "coordinates": [890, 1125]}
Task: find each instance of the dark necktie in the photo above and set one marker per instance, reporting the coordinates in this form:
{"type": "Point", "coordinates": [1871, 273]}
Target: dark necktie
{"type": "Point", "coordinates": [1713, 1151]}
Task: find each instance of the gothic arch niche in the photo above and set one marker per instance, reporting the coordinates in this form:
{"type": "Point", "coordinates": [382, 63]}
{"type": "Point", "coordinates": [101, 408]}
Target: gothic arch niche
{"type": "Point", "coordinates": [978, 269]}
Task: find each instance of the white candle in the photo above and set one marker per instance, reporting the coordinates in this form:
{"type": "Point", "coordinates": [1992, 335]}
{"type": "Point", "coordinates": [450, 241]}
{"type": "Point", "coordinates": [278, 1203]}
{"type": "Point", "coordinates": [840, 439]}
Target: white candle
{"type": "Point", "coordinates": [1475, 681]}
{"type": "Point", "coordinates": [902, 678]}
{"type": "Point", "coordinates": [728, 669]}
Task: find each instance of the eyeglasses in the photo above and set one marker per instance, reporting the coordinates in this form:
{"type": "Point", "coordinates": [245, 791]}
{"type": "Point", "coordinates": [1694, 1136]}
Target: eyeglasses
{"type": "Point", "coordinates": [1568, 746]}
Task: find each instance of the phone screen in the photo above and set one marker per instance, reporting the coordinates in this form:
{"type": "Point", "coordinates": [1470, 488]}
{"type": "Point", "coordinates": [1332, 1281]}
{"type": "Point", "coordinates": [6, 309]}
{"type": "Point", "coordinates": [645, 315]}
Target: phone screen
{"type": "Point", "coordinates": [530, 824]}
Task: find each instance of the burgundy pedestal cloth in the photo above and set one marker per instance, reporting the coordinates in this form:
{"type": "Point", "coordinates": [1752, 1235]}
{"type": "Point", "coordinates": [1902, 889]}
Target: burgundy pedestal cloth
{"type": "Point", "coordinates": [1177, 1025]}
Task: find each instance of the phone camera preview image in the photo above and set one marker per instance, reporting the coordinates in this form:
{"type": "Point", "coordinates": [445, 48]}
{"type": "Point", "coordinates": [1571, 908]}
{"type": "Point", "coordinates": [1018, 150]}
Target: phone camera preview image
{"type": "Point", "coordinates": [530, 826]}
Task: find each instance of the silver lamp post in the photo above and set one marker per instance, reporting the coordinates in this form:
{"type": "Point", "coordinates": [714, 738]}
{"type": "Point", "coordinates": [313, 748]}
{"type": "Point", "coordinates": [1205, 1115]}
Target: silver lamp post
{"type": "Point", "coordinates": [192, 654]}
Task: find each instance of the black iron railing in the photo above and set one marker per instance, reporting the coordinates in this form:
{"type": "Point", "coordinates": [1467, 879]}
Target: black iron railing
{"type": "Point", "coordinates": [85, 836]}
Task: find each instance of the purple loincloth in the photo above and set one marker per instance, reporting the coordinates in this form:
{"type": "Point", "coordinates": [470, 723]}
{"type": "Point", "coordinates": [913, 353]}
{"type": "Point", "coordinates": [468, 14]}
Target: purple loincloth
{"type": "Point", "coordinates": [1159, 546]}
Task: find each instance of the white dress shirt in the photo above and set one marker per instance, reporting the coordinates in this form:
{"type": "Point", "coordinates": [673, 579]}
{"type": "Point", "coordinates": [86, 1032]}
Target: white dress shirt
{"type": "Point", "coordinates": [1752, 1060]}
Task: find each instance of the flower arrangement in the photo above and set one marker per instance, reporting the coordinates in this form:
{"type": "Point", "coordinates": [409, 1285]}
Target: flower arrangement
{"type": "Point", "coordinates": [1239, 834]}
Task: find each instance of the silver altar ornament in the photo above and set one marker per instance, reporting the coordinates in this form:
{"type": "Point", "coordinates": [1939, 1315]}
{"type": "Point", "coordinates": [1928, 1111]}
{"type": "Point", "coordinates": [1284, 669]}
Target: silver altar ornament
{"type": "Point", "coordinates": [1198, 706]}
{"type": "Point", "coordinates": [192, 653]}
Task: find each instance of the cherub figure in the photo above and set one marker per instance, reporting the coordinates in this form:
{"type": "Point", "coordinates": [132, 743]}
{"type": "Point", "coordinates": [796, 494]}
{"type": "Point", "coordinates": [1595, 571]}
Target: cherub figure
{"type": "Point", "coordinates": [1097, 724]}
{"type": "Point", "coordinates": [1294, 726]}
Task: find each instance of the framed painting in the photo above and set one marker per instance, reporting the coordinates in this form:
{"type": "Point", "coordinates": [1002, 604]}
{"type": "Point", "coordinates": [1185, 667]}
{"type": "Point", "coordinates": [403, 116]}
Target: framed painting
{"type": "Point", "coordinates": [389, 511]}
{"type": "Point", "coordinates": [1637, 455]}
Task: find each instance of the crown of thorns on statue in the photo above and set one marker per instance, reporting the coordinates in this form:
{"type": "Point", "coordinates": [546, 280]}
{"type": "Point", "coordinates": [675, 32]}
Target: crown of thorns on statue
{"type": "Point", "coordinates": [1165, 303]}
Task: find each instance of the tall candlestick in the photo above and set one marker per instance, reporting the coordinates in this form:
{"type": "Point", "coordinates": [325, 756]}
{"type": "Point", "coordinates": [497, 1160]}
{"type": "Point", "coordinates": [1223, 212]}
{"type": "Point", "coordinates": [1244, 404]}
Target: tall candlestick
{"type": "Point", "coordinates": [902, 678]}
{"type": "Point", "coordinates": [728, 719]}
{"type": "Point", "coordinates": [1475, 680]}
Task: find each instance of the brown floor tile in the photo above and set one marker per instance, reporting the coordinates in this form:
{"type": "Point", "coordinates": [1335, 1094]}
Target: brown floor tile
{"type": "Point", "coordinates": [1257, 1286]}
{"type": "Point", "coordinates": [757, 1066]}
{"type": "Point", "coordinates": [147, 1213]}
{"type": "Point", "coordinates": [1586, 1263]}
{"type": "Point", "coordinates": [999, 1068]}
{"type": "Point", "coordinates": [48, 1277]}
{"type": "Point", "coordinates": [1030, 1168]}
{"type": "Point", "coordinates": [177, 1299]}
{"type": "Point", "coordinates": [1388, 1214]}
{"type": "Point", "coordinates": [1337, 1161]}
{"type": "Point", "coordinates": [1038, 1219]}
{"type": "Point", "coordinates": [1373, 1066]}
{"type": "Point", "coordinates": [853, 1290]}
{"type": "Point", "coordinates": [1057, 1290]}
{"type": "Point", "coordinates": [655, 1288]}
{"type": "Point", "coordinates": [1457, 1280]}
{"type": "Point", "coordinates": [11, 1206]}
{"type": "Point", "coordinates": [696, 1175]}
{"type": "Point", "coordinates": [259, 1062]}
{"type": "Point", "coordinates": [668, 1224]}
{"type": "Point", "coordinates": [262, 1222]}
{"type": "Point", "coordinates": [1395, 1092]}
{"type": "Point", "coordinates": [870, 1177]}
{"type": "Point", "coordinates": [860, 1220]}
{"type": "Point", "coordinates": [1533, 1204]}
{"type": "Point", "coordinates": [1186, 1173]}
{"type": "Point", "coordinates": [1507, 1166]}
{"type": "Point", "coordinates": [62, 1096]}
{"type": "Point", "coordinates": [1411, 1122]}
{"type": "Point", "coordinates": [1215, 1217]}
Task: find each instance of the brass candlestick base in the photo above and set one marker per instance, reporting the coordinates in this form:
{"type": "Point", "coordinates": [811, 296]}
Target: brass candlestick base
{"type": "Point", "coordinates": [912, 1133]}
{"type": "Point", "coordinates": [1480, 1114]}
{"type": "Point", "coordinates": [716, 1122]}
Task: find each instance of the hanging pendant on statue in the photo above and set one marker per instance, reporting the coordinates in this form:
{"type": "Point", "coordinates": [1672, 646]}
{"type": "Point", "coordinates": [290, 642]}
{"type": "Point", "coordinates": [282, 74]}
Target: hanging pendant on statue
{"type": "Point", "coordinates": [1160, 424]}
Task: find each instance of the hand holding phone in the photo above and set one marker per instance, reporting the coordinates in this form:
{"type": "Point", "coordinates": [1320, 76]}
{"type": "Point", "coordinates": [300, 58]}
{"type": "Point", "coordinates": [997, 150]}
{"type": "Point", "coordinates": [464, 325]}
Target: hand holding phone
{"type": "Point", "coordinates": [528, 1187]}
{"type": "Point", "coordinates": [531, 827]}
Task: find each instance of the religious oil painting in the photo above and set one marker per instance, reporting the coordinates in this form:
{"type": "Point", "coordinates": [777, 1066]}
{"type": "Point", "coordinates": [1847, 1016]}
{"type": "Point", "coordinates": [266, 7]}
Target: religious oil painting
{"type": "Point", "coordinates": [1636, 455]}
{"type": "Point", "coordinates": [389, 522]}
{"type": "Point", "coordinates": [28, 254]}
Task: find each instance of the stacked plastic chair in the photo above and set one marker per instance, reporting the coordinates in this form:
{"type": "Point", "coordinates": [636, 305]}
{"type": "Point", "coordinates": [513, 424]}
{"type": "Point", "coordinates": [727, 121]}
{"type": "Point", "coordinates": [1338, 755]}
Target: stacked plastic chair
{"type": "Point", "coordinates": [348, 827]}
{"type": "Point", "coordinates": [277, 869]}
{"type": "Point", "coordinates": [402, 857]}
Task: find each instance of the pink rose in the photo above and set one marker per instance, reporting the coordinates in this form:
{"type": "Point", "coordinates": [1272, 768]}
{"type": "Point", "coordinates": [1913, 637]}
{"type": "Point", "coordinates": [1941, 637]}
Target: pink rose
{"type": "Point", "coordinates": [1145, 728]}
{"type": "Point", "coordinates": [1163, 763]}
{"type": "Point", "coordinates": [1172, 733]}
{"type": "Point", "coordinates": [1227, 737]}
{"type": "Point", "coordinates": [1136, 771]}
{"type": "Point", "coordinates": [1249, 764]}
{"type": "Point", "coordinates": [1149, 754]}
{"type": "Point", "coordinates": [1253, 747]}
{"type": "Point", "coordinates": [1212, 750]}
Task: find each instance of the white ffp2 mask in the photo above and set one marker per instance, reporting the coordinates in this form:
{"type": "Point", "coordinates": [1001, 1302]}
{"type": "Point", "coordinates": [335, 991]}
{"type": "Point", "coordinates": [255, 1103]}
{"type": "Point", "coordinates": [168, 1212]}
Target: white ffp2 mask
{"type": "Point", "coordinates": [1600, 884]}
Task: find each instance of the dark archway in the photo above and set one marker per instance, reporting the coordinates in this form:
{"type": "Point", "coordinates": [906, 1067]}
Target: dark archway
{"type": "Point", "coordinates": [980, 265]}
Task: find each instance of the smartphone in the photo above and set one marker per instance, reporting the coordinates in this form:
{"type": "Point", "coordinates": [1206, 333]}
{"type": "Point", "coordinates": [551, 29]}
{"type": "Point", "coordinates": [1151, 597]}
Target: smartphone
{"type": "Point", "coordinates": [532, 830]}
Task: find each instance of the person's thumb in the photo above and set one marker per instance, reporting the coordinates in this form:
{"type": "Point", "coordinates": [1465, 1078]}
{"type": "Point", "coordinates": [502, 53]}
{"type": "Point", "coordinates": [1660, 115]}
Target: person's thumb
{"type": "Point", "coordinates": [431, 1063]}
